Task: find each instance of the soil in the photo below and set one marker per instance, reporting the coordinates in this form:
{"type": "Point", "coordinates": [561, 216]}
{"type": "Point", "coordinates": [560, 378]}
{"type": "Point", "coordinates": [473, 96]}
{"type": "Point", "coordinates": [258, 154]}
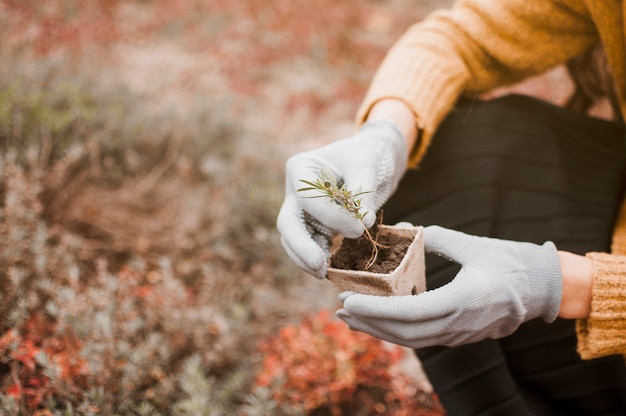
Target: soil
{"type": "Point", "coordinates": [354, 254]}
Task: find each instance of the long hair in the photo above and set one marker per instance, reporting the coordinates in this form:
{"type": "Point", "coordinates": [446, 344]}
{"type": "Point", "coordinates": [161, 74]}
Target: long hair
{"type": "Point", "coordinates": [593, 81]}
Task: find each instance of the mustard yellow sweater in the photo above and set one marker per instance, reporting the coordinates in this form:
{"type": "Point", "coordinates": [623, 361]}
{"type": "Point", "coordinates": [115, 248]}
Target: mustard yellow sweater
{"type": "Point", "coordinates": [478, 45]}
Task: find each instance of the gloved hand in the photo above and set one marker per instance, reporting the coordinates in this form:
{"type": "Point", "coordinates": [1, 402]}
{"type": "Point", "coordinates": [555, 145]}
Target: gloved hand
{"type": "Point", "coordinates": [372, 161]}
{"type": "Point", "coordinates": [501, 284]}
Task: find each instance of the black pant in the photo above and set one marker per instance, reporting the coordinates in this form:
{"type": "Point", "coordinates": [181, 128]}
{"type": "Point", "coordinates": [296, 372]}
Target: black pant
{"type": "Point", "coordinates": [520, 169]}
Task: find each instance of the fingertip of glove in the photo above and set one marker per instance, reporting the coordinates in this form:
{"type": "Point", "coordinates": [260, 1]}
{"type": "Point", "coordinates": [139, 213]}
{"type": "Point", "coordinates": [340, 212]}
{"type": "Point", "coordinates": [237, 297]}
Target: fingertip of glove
{"type": "Point", "coordinates": [318, 270]}
{"type": "Point", "coordinates": [345, 295]}
{"type": "Point", "coordinates": [343, 315]}
{"type": "Point", "coordinates": [404, 224]}
{"type": "Point", "coordinates": [432, 230]}
{"type": "Point", "coordinates": [357, 302]}
{"type": "Point", "coordinates": [354, 232]}
{"type": "Point", "coordinates": [369, 218]}
{"type": "Point", "coordinates": [314, 265]}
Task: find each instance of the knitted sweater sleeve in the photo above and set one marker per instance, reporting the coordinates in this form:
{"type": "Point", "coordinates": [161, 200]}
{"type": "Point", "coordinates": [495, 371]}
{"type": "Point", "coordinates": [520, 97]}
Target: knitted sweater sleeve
{"type": "Point", "coordinates": [473, 47]}
{"type": "Point", "coordinates": [604, 333]}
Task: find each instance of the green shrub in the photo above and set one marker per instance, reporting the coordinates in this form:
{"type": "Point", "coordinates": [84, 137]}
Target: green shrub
{"type": "Point", "coordinates": [117, 260]}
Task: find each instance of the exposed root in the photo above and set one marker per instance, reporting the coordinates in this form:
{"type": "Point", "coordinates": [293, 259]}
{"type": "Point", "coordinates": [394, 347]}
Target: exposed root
{"type": "Point", "coordinates": [375, 244]}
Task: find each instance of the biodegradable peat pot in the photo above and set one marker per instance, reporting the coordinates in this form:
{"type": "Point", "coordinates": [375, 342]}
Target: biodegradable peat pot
{"type": "Point", "coordinates": [403, 254]}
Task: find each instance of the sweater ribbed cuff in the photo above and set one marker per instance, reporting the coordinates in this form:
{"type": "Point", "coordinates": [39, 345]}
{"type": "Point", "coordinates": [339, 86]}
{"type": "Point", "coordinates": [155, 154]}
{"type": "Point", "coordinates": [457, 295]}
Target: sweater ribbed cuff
{"type": "Point", "coordinates": [603, 332]}
{"type": "Point", "coordinates": [427, 84]}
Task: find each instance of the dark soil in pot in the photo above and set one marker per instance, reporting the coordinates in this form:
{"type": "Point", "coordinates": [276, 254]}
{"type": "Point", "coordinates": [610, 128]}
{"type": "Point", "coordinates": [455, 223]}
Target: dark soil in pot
{"type": "Point", "coordinates": [354, 254]}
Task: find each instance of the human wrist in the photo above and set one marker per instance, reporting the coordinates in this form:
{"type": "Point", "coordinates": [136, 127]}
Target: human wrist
{"type": "Point", "coordinates": [577, 285]}
{"type": "Point", "coordinates": [398, 113]}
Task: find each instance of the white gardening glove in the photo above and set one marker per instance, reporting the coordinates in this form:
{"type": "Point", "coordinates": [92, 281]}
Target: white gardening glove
{"type": "Point", "coordinates": [371, 161]}
{"type": "Point", "coordinates": [501, 284]}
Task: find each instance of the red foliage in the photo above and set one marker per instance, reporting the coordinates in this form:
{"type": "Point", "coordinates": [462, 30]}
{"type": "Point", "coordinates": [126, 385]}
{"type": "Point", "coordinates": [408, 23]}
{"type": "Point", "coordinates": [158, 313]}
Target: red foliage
{"type": "Point", "coordinates": [52, 25]}
{"type": "Point", "coordinates": [240, 39]}
{"type": "Point", "coordinates": [321, 365]}
{"type": "Point", "coordinates": [29, 382]}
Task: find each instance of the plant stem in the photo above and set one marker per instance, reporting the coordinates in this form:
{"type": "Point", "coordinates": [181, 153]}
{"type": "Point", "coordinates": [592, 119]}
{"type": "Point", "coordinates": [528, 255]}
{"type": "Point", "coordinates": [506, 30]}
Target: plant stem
{"type": "Point", "coordinates": [332, 188]}
{"type": "Point", "coordinates": [374, 254]}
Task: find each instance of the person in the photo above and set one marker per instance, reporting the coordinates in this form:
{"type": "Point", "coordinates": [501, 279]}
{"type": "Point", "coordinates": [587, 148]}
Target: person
{"type": "Point", "coordinates": [499, 335]}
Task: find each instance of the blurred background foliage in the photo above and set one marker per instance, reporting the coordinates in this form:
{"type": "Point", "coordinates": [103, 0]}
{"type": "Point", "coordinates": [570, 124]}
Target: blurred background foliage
{"type": "Point", "coordinates": [142, 144]}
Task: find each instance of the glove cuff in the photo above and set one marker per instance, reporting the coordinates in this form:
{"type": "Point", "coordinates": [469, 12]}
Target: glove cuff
{"type": "Point", "coordinates": [394, 157]}
{"type": "Point", "coordinates": [391, 134]}
{"type": "Point", "coordinates": [546, 282]}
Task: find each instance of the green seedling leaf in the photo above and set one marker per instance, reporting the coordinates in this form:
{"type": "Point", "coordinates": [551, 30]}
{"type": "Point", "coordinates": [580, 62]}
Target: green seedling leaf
{"type": "Point", "coordinates": [328, 185]}
{"type": "Point", "coordinates": [331, 187]}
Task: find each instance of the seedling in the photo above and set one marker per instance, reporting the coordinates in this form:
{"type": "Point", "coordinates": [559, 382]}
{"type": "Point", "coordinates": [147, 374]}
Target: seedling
{"type": "Point", "coordinates": [333, 188]}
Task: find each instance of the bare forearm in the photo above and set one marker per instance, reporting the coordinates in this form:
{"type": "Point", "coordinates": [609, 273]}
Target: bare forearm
{"type": "Point", "coordinates": [398, 113]}
{"type": "Point", "coordinates": [577, 284]}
